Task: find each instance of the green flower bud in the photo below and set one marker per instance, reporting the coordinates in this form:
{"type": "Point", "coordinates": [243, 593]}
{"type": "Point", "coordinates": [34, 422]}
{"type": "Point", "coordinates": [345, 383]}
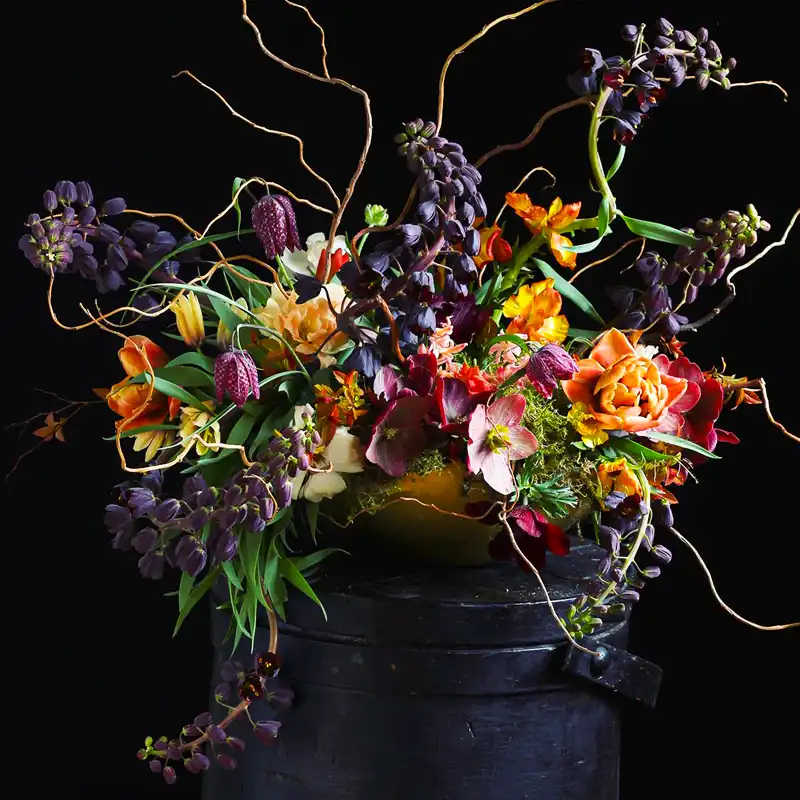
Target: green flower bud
{"type": "Point", "coordinates": [751, 211]}
{"type": "Point", "coordinates": [376, 216]}
{"type": "Point", "coordinates": [765, 226]}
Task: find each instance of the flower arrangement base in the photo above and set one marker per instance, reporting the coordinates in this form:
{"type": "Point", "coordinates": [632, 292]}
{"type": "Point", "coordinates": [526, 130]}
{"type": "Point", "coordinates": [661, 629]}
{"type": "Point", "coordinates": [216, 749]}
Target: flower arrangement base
{"type": "Point", "coordinates": [434, 684]}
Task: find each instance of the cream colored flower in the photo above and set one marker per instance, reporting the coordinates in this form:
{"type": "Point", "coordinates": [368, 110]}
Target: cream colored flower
{"type": "Point", "coordinates": [305, 262]}
{"type": "Point", "coordinates": [307, 326]}
{"type": "Point", "coordinates": [189, 317]}
{"type": "Point", "coordinates": [192, 420]}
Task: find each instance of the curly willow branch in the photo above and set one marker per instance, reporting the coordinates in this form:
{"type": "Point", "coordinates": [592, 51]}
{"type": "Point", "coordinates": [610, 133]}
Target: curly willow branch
{"type": "Point", "coordinates": [337, 218]}
{"type": "Point", "coordinates": [321, 34]}
{"type": "Point", "coordinates": [502, 148]}
{"type": "Point", "coordinates": [285, 134]}
{"type": "Point", "coordinates": [768, 411]}
{"type": "Point", "coordinates": [480, 34]}
{"type": "Point", "coordinates": [522, 182]}
{"type": "Point", "coordinates": [599, 261]}
{"type": "Point", "coordinates": [719, 600]}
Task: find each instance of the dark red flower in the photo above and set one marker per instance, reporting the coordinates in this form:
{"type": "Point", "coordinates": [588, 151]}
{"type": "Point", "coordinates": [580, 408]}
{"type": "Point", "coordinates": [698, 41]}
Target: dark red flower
{"type": "Point", "coordinates": [534, 535]}
{"type": "Point", "coordinates": [456, 403]}
{"type": "Point", "coordinates": [422, 370]}
{"type": "Point", "coordinates": [398, 435]}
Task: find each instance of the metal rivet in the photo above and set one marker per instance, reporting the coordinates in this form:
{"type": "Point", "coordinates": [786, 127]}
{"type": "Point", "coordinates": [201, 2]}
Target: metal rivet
{"type": "Point", "coordinates": [599, 661]}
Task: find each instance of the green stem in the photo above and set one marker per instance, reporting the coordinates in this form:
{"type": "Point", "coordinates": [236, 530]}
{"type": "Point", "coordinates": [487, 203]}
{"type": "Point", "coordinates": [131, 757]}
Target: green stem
{"type": "Point", "coordinates": [598, 172]}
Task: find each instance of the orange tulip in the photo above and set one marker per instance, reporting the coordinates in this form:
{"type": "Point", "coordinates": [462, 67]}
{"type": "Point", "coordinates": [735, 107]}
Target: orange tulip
{"type": "Point", "coordinates": [548, 222]}
{"type": "Point", "coordinates": [622, 390]}
{"type": "Point", "coordinates": [131, 355]}
{"type": "Point", "coordinates": [534, 312]}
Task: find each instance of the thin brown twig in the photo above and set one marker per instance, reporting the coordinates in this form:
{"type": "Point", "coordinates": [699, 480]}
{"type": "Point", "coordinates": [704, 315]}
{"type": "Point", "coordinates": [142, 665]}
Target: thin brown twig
{"type": "Point", "coordinates": [611, 255]}
{"type": "Point", "coordinates": [741, 83]}
{"type": "Point", "coordinates": [393, 328]}
{"type": "Point", "coordinates": [285, 134]}
{"type": "Point", "coordinates": [482, 32]}
{"type": "Point", "coordinates": [502, 148]}
{"type": "Point", "coordinates": [765, 402]}
{"type": "Point", "coordinates": [525, 177]}
{"type": "Point", "coordinates": [681, 538]}
{"type": "Point", "coordinates": [337, 218]}
{"type": "Point", "coordinates": [321, 34]}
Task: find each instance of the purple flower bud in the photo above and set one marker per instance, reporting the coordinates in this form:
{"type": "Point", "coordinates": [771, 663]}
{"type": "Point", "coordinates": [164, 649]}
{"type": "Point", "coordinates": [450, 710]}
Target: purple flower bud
{"type": "Point", "coordinates": [87, 215]}
{"type": "Point", "coordinates": [629, 33]}
{"type": "Point", "coordinates": [267, 731]}
{"type": "Point", "coordinates": [112, 207]}
{"type": "Point", "coordinates": [236, 373]}
{"type": "Point", "coordinates": [235, 743]}
{"type": "Point", "coordinates": [173, 751]}
{"type": "Point", "coordinates": [230, 671]}
{"type": "Point", "coordinates": [275, 224]}
{"type": "Point", "coordinates": [662, 41]}
{"type": "Point", "coordinates": [222, 691]}
{"type": "Point", "coordinates": [703, 76]}
{"type": "Point", "coordinates": [144, 540]}
{"type": "Point", "coordinates": [156, 765]}
{"type": "Point", "coordinates": [117, 518]}
{"type": "Point", "coordinates": [198, 763]}
{"type": "Point", "coordinates": [225, 761]}
{"type": "Point", "coordinates": [472, 242]}
{"type": "Point", "coordinates": [85, 196]}
{"type": "Point", "coordinates": [169, 775]}
{"type": "Point", "coordinates": [190, 555]}
{"type": "Point", "coordinates": [282, 490]}
{"type": "Point", "coordinates": [203, 719]}
{"type": "Point", "coordinates": [217, 734]}
{"type": "Point", "coordinates": [143, 231]}
{"type": "Point", "coordinates": [107, 233]}
{"type": "Point", "coordinates": [151, 566]}
{"type": "Point", "coordinates": [226, 546]}
{"type": "Point", "coordinates": [547, 366]}
{"type": "Point", "coordinates": [166, 510]}
{"type": "Point", "coordinates": [281, 699]}
{"type": "Point", "coordinates": [651, 572]}
{"type": "Point", "coordinates": [691, 294]}
{"type": "Point", "coordinates": [664, 26]}
{"type": "Point", "coordinates": [662, 554]}
{"type": "Point", "coordinates": [50, 201]}
{"type": "Point", "coordinates": [234, 496]}
{"type": "Point", "coordinates": [66, 192]}
{"type": "Point", "coordinates": [631, 595]}
{"type": "Point", "coordinates": [649, 267]}
{"type": "Point", "coordinates": [68, 216]}
{"type": "Point", "coordinates": [713, 51]}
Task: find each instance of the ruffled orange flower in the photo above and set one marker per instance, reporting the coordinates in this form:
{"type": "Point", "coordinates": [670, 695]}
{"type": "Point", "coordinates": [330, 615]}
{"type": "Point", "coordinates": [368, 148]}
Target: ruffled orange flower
{"type": "Point", "coordinates": [548, 222]}
{"type": "Point", "coordinates": [621, 389]}
{"type": "Point", "coordinates": [534, 311]}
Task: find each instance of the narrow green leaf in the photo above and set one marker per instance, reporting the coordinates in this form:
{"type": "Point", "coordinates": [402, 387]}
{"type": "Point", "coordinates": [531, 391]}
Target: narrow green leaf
{"type": "Point", "coordinates": [603, 216]}
{"type": "Point", "coordinates": [273, 580]}
{"type": "Point", "coordinates": [306, 562]}
{"type": "Point", "coordinates": [185, 376]}
{"type": "Point", "coordinates": [485, 291]}
{"type": "Point", "coordinates": [238, 621]}
{"type": "Point", "coordinates": [230, 574]}
{"type": "Point", "coordinates": [237, 182]}
{"type": "Point", "coordinates": [184, 589]}
{"type": "Point", "coordinates": [227, 316]}
{"type": "Point", "coordinates": [260, 294]}
{"type": "Point", "coordinates": [582, 333]}
{"type": "Point", "coordinates": [683, 444]}
{"type": "Point", "coordinates": [217, 237]}
{"type": "Point", "coordinates": [658, 232]}
{"type": "Point", "coordinates": [195, 359]}
{"type": "Point", "coordinates": [568, 291]}
{"type": "Point", "coordinates": [171, 389]}
{"type": "Point", "coordinates": [612, 170]}
{"type": "Point", "coordinates": [509, 337]}
{"type": "Point", "coordinates": [249, 545]}
{"type": "Point", "coordinates": [195, 595]}
{"type": "Point", "coordinates": [251, 615]}
{"type": "Point", "coordinates": [295, 577]}
{"type": "Point", "coordinates": [629, 447]}
{"type": "Point", "coordinates": [312, 515]}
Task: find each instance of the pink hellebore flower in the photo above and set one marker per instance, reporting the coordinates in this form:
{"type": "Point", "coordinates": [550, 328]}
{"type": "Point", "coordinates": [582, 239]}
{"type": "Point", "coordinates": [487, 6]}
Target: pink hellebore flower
{"type": "Point", "coordinates": [497, 438]}
{"type": "Point", "coordinates": [398, 435]}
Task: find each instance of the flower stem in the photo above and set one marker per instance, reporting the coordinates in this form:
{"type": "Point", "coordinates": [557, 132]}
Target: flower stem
{"type": "Point", "coordinates": [598, 171]}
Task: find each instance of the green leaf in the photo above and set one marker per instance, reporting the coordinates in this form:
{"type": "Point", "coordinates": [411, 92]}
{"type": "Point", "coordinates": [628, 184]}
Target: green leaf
{"type": "Point", "coordinates": [306, 562]}
{"type": "Point", "coordinates": [237, 182]}
{"type": "Point", "coordinates": [568, 291]}
{"type": "Point", "coordinates": [582, 333]}
{"type": "Point", "coordinates": [603, 217]}
{"type": "Point", "coordinates": [184, 589]}
{"type": "Point", "coordinates": [171, 389]}
{"type": "Point", "coordinates": [629, 447]}
{"type": "Point", "coordinates": [227, 316]}
{"type": "Point", "coordinates": [249, 545]}
{"type": "Point", "coordinates": [217, 237]}
{"type": "Point", "coordinates": [312, 515]}
{"type": "Point", "coordinates": [185, 376]}
{"type": "Point", "coordinates": [683, 444]}
{"type": "Point", "coordinates": [238, 435]}
{"type": "Point", "coordinates": [239, 623]}
{"type": "Point", "coordinates": [658, 232]}
{"type": "Point", "coordinates": [295, 577]}
{"type": "Point", "coordinates": [612, 170]}
{"type": "Point", "coordinates": [195, 595]}
{"type": "Point", "coordinates": [195, 359]}
{"type": "Point", "coordinates": [273, 580]}
{"type": "Point", "coordinates": [509, 337]}
{"type": "Point", "coordinates": [259, 293]}
{"type": "Point", "coordinates": [487, 290]}
{"type": "Point", "coordinates": [230, 574]}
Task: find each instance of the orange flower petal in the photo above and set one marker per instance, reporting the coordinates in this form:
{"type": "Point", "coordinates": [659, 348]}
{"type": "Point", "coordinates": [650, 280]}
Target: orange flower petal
{"type": "Point", "coordinates": [564, 216]}
{"type": "Point", "coordinates": [555, 329]}
{"type": "Point", "coordinates": [520, 202]}
{"type": "Point", "coordinates": [577, 391]}
{"type": "Point", "coordinates": [130, 355]}
{"type": "Point", "coordinates": [636, 424]}
{"type": "Point", "coordinates": [611, 348]}
{"type": "Point", "coordinates": [566, 258]}
{"type": "Point", "coordinates": [555, 207]}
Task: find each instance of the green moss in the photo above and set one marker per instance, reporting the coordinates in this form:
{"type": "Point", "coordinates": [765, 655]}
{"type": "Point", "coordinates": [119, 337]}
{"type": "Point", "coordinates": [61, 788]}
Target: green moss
{"type": "Point", "coordinates": [370, 490]}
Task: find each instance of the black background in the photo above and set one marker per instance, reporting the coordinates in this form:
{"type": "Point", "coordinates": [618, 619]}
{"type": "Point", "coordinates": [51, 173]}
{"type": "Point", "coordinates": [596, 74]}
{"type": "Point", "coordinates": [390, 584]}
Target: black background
{"type": "Point", "coordinates": [91, 97]}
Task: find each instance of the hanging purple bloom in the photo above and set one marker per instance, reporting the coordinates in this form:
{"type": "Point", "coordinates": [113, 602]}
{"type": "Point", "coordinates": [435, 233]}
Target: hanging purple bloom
{"type": "Point", "coordinates": [456, 403]}
{"type": "Point", "coordinates": [547, 366]}
{"type": "Point", "coordinates": [275, 224]}
{"type": "Point", "coordinates": [236, 373]}
{"type": "Point", "coordinates": [398, 435]}
{"type": "Point", "coordinates": [422, 370]}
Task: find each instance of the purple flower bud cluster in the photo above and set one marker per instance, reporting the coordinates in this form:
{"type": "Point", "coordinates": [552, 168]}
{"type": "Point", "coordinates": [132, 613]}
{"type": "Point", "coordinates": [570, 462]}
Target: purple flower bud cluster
{"type": "Point", "coordinates": [75, 237]}
{"type": "Point", "coordinates": [207, 522]}
{"type": "Point", "coordinates": [670, 57]}
{"type": "Point", "coordinates": [719, 243]}
{"type": "Point", "coordinates": [201, 741]}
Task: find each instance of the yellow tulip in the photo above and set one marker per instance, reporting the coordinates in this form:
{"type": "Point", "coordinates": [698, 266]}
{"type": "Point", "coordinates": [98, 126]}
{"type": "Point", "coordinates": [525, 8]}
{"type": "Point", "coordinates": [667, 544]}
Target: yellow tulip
{"type": "Point", "coordinates": [189, 317]}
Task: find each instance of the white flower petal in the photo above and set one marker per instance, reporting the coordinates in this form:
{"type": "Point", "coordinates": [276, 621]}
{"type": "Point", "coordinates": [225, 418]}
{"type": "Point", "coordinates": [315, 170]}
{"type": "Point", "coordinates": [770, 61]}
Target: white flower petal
{"type": "Point", "coordinates": [344, 453]}
{"type": "Point", "coordinates": [323, 486]}
{"type": "Point", "coordinates": [297, 261]}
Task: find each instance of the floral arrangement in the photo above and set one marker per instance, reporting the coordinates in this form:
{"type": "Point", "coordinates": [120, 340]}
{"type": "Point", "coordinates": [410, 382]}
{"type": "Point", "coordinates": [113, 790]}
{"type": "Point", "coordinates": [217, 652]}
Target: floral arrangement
{"type": "Point", "coordinates": [275, 400]}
